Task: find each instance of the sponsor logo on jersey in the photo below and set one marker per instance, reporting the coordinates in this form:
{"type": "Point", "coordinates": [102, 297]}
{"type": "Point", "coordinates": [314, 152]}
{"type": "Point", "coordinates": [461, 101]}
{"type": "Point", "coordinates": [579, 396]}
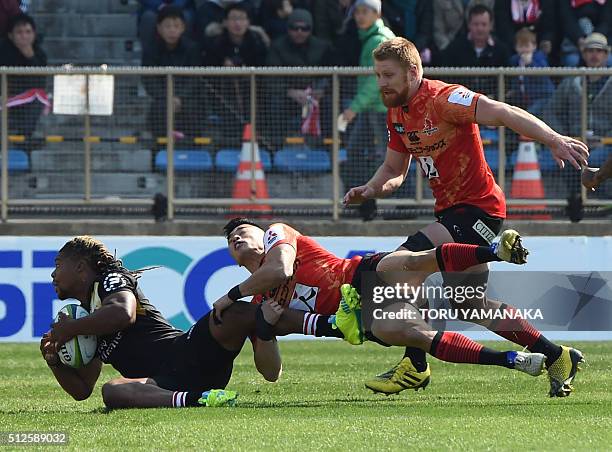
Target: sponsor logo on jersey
{"type": "Point", "coordinates": [114, 281]}
{"type": "Point", "coordinates": [428, 128]}
{"type": "Point", "coordinates": [461, 96]}
{"type": "Point", "coordinates": [427, 149]}
{"type": "Point", "coordinates": [106, 346]}
{"type": "Point", "coordinates": [273, 235]}
{"type": "Point", "coordinates": [484, 231]}
{"type": "Point", "coordinates": [399, 128]}
{"type": "Point", "coordinates": [413, 137]}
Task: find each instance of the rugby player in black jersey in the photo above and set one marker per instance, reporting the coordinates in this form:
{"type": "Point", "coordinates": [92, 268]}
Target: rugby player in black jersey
{"type": "Point", "coordinates": [160, 366]}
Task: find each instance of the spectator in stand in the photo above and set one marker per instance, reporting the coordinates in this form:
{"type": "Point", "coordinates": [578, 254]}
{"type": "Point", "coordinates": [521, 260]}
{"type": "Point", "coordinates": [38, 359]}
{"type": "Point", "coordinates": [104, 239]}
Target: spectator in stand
{"type": "Point", "coordinates": [210, 15]}
{"type": "Point", "coordinates": [237, 45]}
{"type": "Point", "coordinates": [147, 19]}
{"type": "Point", "coordinates": [580, 18]}
{"type": "Point", "coordinates": [334, 22]}
{"type": "Point", "coordinates": [173, 49]}
{"type": "Point", "coordinates": [8, 9]}
{"type": "Point", "coordinates": [529, 92]}
{"type": "Point", "coordinates": [477, 48]}
{"type": "Point", "coordinates": [22, 49]}
{"type": "Point", "coordinates": [539, 15]}
{"type": "Point", "coordinates": [290, 95]}
{"type": "Point", "coordinates": [449, 19]}
{"type": "Point", "coordinates": [563, 111]}
{"type": "Point", "coordinates": [367, 140]}
{"type": "Point", "coordinates": [412, 19]}
{"type": "Point", "coordinates": [273, 15]}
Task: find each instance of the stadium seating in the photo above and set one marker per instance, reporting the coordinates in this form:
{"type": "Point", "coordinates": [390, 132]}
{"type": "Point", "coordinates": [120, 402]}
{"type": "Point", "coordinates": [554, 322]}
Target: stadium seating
{"type": "Point", "coordinates": [17, 160]}
{"type": "Point", "coordinates": [227, 160]}
{"type": "Point", "coordinates": [491, 135]}
{"type": "Point", "coordinates": [492, 157]}
{"type": "Point", "coordinates": [185, 160]}
{"type": "Point", "coordinates": [302, 160]}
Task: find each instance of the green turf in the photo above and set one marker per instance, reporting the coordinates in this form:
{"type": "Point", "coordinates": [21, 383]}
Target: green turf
{"type": "Point", "coordinates": [320, 403]}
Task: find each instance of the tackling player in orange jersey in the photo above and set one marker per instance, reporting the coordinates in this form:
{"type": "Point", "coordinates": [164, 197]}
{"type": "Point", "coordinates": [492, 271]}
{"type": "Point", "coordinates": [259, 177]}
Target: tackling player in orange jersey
{"type": "Point", "coordinates": [292, 270]}
{"type": "Point", "coordinates": [437, 123]}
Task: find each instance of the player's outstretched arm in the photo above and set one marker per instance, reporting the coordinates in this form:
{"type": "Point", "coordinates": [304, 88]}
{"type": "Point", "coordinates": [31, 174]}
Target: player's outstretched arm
{"type": "Point", "coordinates": [388, 177]}
{"type": "Point", "coordinates": [79, 383]}
{"type": "Point", "coordinates": [490, 112]}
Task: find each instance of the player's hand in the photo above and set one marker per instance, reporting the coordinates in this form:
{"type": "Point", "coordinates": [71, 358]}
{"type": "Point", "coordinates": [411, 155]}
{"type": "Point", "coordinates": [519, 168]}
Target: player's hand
{"type": "Point", "coordinates": [219, 306]}
{"type": "Point", "coordinates": [271, 311]}
{"type": "Point", "coordinates": [47, 349]}
{"type": "Point", "coordinates": [62, 330]}
{"type": "Point", "coordinates": [357, 195]}
{"type": "Point", "coordinates": [570, 149]}
{"type": "Point", "coordinates": [589, 178]}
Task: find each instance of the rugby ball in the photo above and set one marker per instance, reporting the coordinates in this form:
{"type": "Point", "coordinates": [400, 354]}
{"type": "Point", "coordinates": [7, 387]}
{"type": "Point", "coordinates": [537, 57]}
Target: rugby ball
{"type": "Point", "coordinates": [80, 350]}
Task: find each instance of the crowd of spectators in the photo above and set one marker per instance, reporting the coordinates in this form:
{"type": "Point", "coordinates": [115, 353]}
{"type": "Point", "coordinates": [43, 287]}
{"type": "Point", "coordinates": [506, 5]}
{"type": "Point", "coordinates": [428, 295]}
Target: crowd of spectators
{"type": "Point", "coordinates": [299, 33]}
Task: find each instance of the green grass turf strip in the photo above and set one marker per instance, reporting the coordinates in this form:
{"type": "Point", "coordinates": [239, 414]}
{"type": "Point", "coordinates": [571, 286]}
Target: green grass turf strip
{"type": "Point", "coordinates": [320, 403]}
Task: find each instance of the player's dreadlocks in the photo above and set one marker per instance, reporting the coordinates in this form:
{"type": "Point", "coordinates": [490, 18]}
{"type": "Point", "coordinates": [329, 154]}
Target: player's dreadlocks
{"type": "Point", "coordinates": [234, 223]}
{"type": "Point", "coordinates": [95, 253]}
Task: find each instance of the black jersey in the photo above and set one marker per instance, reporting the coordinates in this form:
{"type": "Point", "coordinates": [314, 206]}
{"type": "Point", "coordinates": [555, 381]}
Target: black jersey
{"type": "Point", "coordinates": [143, 349]}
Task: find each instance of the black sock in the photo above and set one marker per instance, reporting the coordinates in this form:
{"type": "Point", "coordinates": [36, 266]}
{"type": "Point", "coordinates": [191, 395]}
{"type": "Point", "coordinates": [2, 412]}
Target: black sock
{"type": "Point", "coordinates": [192, 397]}
{"type": "Point", "coordinates": [324, 328]}
{"type": "Point", "coordinates": [418, 358]}
{"type": "Point", "coordinates": [491, 357]}
{"type": "Point", "coordinates": [544, 346]}
{"type": "Point", "coordinates": [485, 254]}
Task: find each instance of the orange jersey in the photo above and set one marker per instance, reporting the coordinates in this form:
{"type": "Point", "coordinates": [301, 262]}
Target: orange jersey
{"type": "Point", "coordinates": [317, 273]}
{"type": "Point", "coordinates": [438, 128]}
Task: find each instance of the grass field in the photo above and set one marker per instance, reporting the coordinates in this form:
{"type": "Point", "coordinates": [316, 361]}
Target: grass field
{"type": "Point", "coordinates": [320, 403]}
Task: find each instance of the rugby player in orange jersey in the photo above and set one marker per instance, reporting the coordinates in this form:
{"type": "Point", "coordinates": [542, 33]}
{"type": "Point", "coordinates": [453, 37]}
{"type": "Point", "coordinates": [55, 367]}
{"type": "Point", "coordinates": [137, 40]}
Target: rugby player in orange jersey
{"type": "Point", "coordinates": [437, 123]}
{"type": "Point", "coordinates": [294, 271]}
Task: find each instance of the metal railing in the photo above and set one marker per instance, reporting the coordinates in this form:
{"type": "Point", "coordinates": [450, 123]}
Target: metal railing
{"type": "Point", "coordinates": [335, 80]}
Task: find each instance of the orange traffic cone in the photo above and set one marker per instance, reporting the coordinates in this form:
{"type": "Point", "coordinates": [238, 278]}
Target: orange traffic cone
{"type": "Point", "coordinates": [243, 187]}
{"type": "Point", "coordinates": [527, 181]}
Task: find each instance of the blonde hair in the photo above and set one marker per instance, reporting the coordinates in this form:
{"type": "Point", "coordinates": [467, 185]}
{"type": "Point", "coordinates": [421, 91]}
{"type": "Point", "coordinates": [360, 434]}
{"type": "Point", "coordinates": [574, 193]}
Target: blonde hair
{"type": "Point", "coordinates": [400, 50]}
{"type": "Point", "coordinates": [525, 36]}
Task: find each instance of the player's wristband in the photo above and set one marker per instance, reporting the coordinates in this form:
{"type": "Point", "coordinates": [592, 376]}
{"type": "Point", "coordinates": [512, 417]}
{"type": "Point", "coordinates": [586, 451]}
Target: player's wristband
{"type": "Point", "coordinates": [234, 293]}
{"type": "Point", "coordinates": [263, 330]}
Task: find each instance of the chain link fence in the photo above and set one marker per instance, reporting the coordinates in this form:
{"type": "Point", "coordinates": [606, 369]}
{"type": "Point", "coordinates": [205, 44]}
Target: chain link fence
{"type": "Point", "coordinates": [215, 139]}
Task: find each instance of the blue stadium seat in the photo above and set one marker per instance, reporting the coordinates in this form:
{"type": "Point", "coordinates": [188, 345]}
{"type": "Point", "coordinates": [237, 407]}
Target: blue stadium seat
{"type": "Point", "coordinates": [492, 157]}
{"type": "Point", "coordinates": [302, 160]}
{"type": "Point", "coordinates": [17, 160]}
{"type": "Point", "coordinates": [185, 160]}
{"type": "Point", "coordinates": [227, 160]}
{"type": "Point", "coordinates": [545, 158]}
{"type": "Point", "coordinates": [598, 156]}
{"type": "Point", "coordinates": [489, 134]}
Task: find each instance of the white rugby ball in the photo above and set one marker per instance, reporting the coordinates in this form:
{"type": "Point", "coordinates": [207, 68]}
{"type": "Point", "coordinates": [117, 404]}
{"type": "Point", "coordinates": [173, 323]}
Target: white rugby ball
{"type": "Point", "coordinates": [80, 350]}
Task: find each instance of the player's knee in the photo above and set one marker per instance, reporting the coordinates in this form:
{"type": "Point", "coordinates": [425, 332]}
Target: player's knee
{"type": "Point", "coordinates": [402, 333]}
{"type": "Point", "coordinates": [114, 394]}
